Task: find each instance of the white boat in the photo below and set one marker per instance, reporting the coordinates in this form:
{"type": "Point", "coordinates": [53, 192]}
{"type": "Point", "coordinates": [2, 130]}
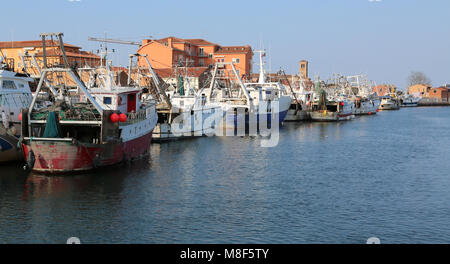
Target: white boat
{"type": "Point", "coordinates": [183, 112]}
{"type": "Point", "coordinates": [15, 95]}
{"type": "Point", "coordinates": [366, 106]}
{"type": "Point", "coordinates": [251, 105]}
{"type": "Point", "coordinates": [366, 102]}
{"type": "Point", "coordinates": [389, 103]}
{"type": "Point", "coordinates": [410, 101]}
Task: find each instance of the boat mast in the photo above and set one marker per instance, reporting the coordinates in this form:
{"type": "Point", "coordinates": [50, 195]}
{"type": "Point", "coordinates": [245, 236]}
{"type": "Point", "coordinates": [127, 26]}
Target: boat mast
{"type": "Point", "coordinates": [262, 78]}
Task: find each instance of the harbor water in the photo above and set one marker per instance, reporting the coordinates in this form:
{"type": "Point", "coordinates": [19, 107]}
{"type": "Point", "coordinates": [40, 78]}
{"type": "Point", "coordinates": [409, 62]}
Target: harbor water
{"type": "Point", "coordinates": [384, 176]}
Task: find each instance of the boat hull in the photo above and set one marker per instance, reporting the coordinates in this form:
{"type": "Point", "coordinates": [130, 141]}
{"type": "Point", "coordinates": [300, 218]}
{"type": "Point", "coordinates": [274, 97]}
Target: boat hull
{"type": "Point", "coordinates": [410, 104]}
{"type": "Point", "coordinates": [235, 120]}
{"type": "Point", "coordinates": [8, 149]}
{"type": "Point", "coordinates": [53, 156]}
{"type": "Point", "coordinates": [188, 125]}
{"type": "Point", "coordinates": [367, 108]}
{"type": "Point", "coordinates": [299, 115]}
{"type": "Point", "coordinates": [325, 116]}
{"type": "Point", "coordinates": [389, 106]}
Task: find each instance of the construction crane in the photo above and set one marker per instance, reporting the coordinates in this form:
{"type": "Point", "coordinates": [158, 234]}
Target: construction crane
{"type": "Point", "coordinates": [117, 41]}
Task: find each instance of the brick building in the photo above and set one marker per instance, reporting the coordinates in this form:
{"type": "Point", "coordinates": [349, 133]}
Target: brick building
{"type": "Point", "coordinates": [440, 94]}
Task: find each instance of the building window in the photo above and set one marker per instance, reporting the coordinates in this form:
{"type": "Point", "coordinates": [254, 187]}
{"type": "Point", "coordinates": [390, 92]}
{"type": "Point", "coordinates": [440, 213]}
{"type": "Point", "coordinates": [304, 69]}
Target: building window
{"type": "Point", "coordinates": [201, 62]}
{"type": "Point", "coordinates": [9, 85]}
{"type": "Point", "coordinates": [201, 52]}
{"type": "Point", "coordinates": [107, 100]}
{"type": "Point", "coordinates": [238, 60]}
{"type": "Point", "coordinates": [210, 55]}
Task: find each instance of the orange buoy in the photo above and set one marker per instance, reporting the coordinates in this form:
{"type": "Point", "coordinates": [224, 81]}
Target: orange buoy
{"type": "Point", "coordinates": [20, 117]}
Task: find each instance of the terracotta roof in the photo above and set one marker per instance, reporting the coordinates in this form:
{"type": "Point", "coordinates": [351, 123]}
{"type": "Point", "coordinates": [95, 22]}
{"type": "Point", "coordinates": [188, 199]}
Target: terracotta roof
{"type": "Point", "coordinates": [174, 39]}
{"type": "Point", "coordinates": [200, 42]}
{"type": "Point", "coordinates": [441, 88]}
{"type": "Point", "coordinates": [234, 49]}
{"type": "Point", "coordinates": [116, 68]}
{"type": "Point", "coordinates": [32, 43]}
{"type": "Point", "coordinates": [191, 72]}
{"type": "Point", "coordinates": [79, 54]}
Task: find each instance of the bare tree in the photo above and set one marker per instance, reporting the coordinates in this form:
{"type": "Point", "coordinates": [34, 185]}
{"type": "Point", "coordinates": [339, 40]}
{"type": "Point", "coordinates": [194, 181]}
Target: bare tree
{"type": "Point", "coordinates": [418, 78]}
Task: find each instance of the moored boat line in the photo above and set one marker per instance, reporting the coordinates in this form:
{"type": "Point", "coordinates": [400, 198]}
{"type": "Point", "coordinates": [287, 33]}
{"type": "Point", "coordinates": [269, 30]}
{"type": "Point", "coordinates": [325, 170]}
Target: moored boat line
{"type": "Point", "coordinates": [86, 124]}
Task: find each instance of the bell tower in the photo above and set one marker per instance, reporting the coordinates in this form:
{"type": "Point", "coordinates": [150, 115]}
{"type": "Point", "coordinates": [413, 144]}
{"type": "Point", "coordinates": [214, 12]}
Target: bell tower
{"type": "Point", "coordinates": [303, 69]}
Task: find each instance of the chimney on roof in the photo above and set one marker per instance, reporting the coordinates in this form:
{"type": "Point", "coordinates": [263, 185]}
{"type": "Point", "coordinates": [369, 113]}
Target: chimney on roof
{"type": "Point", "coordinates": [146, 41]}
{"type": "Point", "coordinates": [169, 42]}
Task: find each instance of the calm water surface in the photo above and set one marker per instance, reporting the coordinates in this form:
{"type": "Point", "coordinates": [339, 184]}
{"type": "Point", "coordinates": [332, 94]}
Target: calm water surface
{"type": "Point", "coordinates": [385, 176]}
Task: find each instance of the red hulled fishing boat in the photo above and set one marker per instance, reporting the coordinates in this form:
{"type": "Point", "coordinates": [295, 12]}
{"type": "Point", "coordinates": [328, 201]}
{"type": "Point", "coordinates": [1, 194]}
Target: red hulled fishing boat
{"type": "Point", "coordinates": [85, 127]}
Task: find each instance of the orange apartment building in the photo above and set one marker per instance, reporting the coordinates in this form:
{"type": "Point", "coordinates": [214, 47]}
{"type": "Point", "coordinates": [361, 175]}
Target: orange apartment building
{"type": "Point", "coordinates": [172, 52]}
{"type": "Point", "coordinates": [13, 51]}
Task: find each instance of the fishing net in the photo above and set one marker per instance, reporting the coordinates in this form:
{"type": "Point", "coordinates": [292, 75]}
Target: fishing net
{"type": "Point", "coordinates": [51, 128]}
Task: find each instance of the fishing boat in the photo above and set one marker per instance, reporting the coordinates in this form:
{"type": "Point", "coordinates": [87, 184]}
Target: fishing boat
{"type": "Point", "coordinates": [182, 111]}
{"type": "Point", "coordinates": [252, 106]}
{"type": "Point", "coordinates": [366, 105]}
{"type": "Point", "coordinates": [335, 109]}
{"type": "Point", "coordinates": [83, 128]}
{"type": "Point", "coordinates": [15, 94]}
{"type": "Point", "coordinates": [366, 102]}
{"type": "Point", "coordinates": [300, 107]}
{"type": "Point", "coordinates": [410, 101]}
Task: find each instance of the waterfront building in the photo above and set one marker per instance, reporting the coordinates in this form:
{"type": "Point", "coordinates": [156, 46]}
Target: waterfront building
{"type": "Point", "coordinates": [439, 95]}
{"type": "Point", "coordinates": [420, 90]}
{"type": "Point", "coordinates": [18, 55]}
{"type": "Point", "coordinates": [384, 89]}
{"type": "Point", "coordinates": [172, 52]}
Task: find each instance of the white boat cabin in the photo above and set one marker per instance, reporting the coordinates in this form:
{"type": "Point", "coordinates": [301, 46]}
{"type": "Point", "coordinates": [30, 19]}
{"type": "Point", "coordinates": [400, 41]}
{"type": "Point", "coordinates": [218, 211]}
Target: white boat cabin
{"type": "Point", "coordinates": [15, 94]}
{"type": "Point", "coordinates": [122, 99]}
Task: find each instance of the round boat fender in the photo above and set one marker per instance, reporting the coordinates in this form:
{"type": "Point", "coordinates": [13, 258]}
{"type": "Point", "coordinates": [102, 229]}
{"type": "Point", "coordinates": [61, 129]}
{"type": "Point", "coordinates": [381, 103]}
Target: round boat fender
{"type": "Point", "coordinates": [30, 161]}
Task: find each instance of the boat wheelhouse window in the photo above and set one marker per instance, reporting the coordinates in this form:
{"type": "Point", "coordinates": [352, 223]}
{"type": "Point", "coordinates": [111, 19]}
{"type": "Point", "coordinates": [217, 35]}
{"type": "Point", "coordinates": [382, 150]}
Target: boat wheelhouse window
{"type": "Point", "coordinates": [9, 85]}
{"type": "Point", "coordinates": [107, 100]}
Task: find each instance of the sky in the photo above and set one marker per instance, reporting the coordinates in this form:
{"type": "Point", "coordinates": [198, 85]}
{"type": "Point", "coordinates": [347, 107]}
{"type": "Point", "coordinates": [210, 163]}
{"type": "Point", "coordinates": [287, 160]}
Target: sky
{"type": "Point", "coordinates": [385, 39]}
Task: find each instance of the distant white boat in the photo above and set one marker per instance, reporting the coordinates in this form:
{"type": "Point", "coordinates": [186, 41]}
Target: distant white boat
{"type": "Point", "coordinates": [389, 103]}
{"type": "Point", "coordinates": [366, 106]}
{"type": "Point", "coordinates": [410, 101]}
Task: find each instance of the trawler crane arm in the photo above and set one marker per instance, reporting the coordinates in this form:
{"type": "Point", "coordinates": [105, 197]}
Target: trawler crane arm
{"type": "Point", "coordinates": [159, 87]}
{"type": "Point", "coordinates": [243, 88]}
